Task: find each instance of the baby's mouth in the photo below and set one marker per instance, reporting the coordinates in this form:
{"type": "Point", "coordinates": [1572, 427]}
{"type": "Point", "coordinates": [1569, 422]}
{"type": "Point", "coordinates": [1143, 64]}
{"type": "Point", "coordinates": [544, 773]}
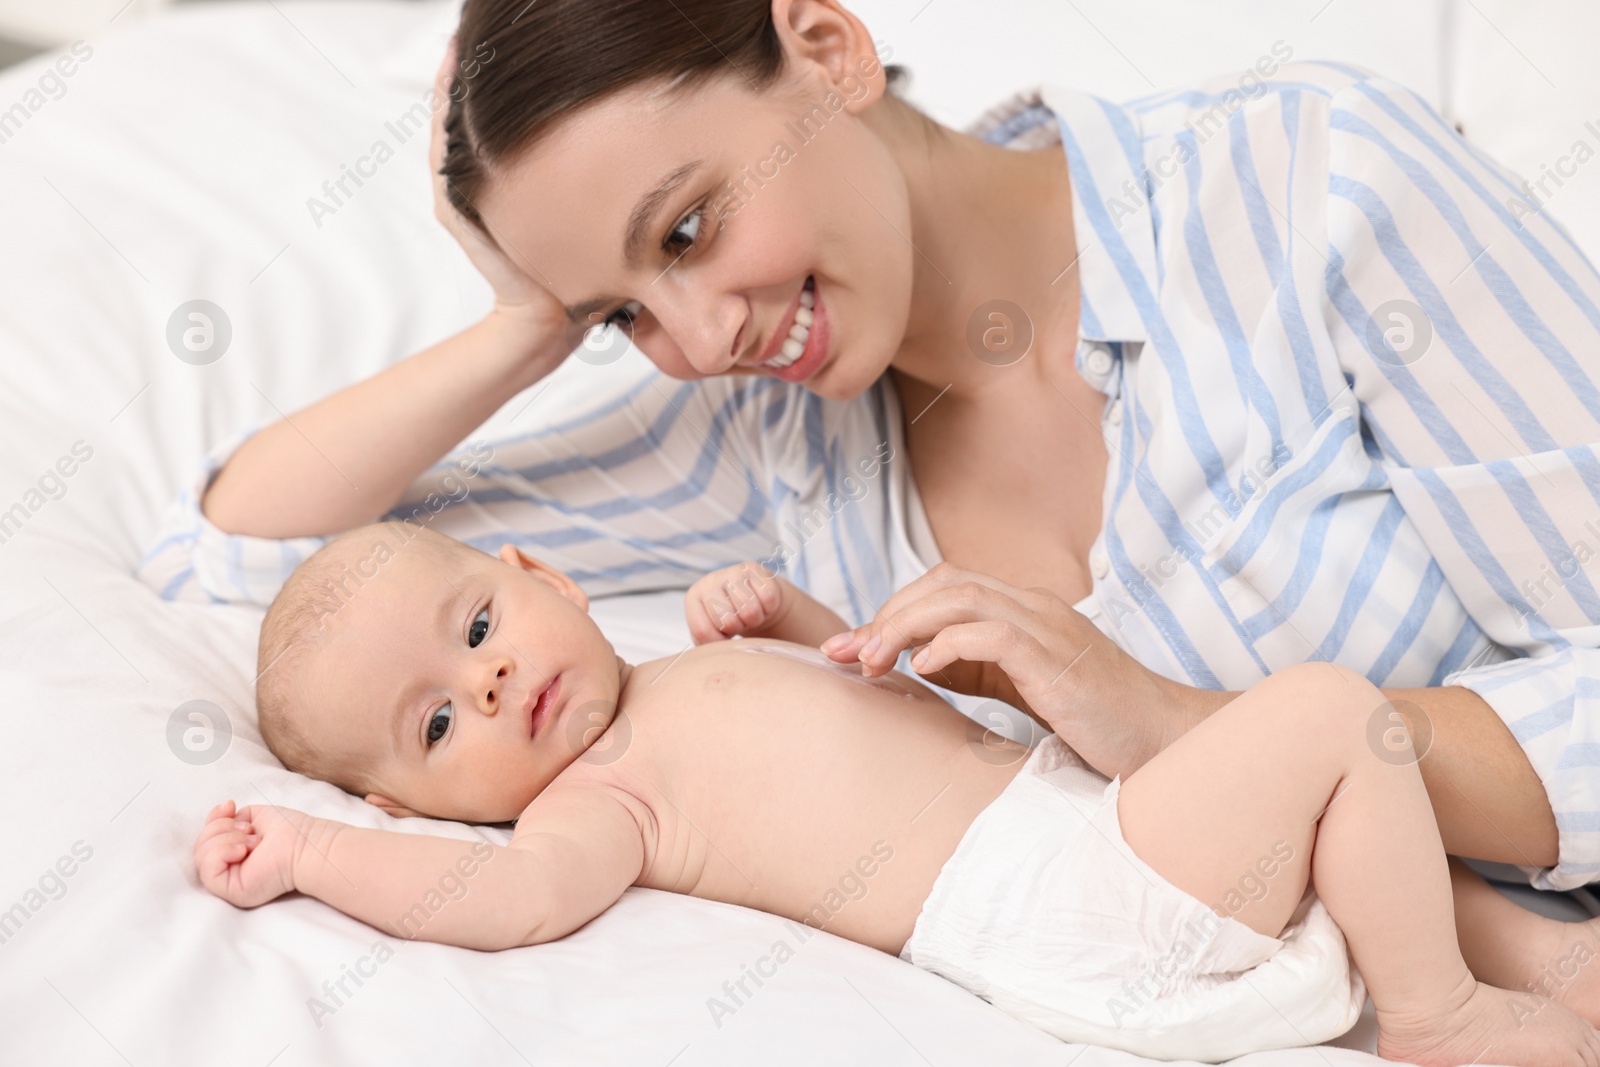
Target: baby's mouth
{"type": "Point", "coordinates": [539, 705]}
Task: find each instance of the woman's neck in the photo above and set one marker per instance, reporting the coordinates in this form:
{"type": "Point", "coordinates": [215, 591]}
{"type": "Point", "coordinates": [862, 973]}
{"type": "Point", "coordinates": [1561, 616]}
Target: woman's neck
{"type": "Point", "coordinates": [987, 223]}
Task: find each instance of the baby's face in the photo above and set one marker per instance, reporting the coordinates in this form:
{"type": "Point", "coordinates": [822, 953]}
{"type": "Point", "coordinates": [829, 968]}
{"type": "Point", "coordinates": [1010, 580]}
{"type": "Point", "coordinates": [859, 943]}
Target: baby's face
{"type": "Point", "coordinates": [458, 681]}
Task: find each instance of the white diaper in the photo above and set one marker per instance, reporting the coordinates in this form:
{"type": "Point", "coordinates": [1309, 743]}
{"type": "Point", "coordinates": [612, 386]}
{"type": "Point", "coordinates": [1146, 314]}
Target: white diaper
{"type": "Point", "coordinates": [1047, 913]}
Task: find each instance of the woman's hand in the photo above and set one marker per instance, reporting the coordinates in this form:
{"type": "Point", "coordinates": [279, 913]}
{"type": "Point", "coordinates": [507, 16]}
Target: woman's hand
{"type": "Point", "coordinates": [247, 856]}
{"type": "Point", "coordinates": [1029, 648]}
{"type": "Point", "coordinates": [517, 295]}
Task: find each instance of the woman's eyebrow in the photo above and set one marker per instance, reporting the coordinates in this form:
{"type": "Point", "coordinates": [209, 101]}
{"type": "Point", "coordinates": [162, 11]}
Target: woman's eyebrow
{"type": "Point", "coordinates": [638, 231]}
{"type": "Point", "coordinates": [650, 203]}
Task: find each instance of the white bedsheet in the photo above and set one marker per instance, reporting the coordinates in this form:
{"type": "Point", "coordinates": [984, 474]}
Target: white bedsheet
{"type": "Point", "coordinates": [177, 166]}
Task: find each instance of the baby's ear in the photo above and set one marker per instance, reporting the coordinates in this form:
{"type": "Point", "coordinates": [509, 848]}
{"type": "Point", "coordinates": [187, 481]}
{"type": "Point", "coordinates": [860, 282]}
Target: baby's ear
{"type": "Point", "coordinates": [399, 811]}
{"type": "Point", "coordinates": [513, 556]}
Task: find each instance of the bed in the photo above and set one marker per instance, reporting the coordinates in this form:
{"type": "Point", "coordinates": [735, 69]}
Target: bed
{"type": "Point", "coordinates": [175, 163]}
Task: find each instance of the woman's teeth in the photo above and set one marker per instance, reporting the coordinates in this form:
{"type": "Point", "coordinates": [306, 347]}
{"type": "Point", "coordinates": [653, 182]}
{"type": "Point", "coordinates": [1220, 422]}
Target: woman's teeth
{"type": "Point", "coordinates": [795, 343]}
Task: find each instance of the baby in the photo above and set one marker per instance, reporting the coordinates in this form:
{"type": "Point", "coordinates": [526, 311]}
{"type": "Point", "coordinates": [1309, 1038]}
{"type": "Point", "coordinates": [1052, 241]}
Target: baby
{"type": "Point", "coordinates": [759, 772]}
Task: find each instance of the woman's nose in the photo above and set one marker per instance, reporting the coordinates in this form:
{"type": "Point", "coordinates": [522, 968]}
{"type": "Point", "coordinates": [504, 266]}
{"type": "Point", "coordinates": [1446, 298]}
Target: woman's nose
{"type": "Point", "coordinates": [703, 329]}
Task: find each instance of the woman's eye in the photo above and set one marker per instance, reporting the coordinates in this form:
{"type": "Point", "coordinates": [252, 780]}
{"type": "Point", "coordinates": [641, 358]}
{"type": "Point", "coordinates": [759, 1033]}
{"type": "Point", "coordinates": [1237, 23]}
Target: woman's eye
{"type": "Point", "coordinates": [686, 232]}
{"type": "Point", "coordinates": [623, 317]}
{"type": "Point", "coordinates": [439, 724]}
{"type": "Point", "coordinates": [479, 629]}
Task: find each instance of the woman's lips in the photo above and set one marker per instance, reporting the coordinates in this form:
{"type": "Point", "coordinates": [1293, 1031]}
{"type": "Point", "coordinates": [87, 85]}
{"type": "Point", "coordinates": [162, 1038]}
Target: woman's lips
{"type": "Point", "coordinates": [779, 336]}
{"type": "Point", "coordinates": [816, 350]}
{"type": "Point", "coordinates": [542, 704]}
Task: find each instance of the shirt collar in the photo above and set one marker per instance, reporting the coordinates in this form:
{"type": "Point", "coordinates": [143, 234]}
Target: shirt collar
{"type": "Point", "coordinates": [1113, 226]}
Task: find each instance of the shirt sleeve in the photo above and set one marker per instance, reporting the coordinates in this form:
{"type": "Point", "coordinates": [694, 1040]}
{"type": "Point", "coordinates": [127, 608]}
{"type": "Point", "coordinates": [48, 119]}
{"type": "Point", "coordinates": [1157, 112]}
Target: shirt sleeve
{"type": "Point", "coordinates": [648, 490]}
{"type": "Point", "coordinates": [1468, 323]}
{"type": "Point", "coordinates": [193, 560]}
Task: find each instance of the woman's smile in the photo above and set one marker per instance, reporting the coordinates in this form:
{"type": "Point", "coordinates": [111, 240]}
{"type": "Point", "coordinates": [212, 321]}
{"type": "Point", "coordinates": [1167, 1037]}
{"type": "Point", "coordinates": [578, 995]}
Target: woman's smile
{"type": "Point", "coordinates": [800, 346]}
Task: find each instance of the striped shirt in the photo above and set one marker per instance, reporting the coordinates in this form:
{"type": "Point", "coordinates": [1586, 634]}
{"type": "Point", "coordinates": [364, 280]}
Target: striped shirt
{"type": "Point", "coordinates": [1353, 399]}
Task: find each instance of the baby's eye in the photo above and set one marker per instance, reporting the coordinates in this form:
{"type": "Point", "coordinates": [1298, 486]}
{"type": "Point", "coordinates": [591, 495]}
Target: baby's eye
{"type": "Point", "coordinates": [439, 724]}
{"type": "Point", "coordinates": [479, 629]}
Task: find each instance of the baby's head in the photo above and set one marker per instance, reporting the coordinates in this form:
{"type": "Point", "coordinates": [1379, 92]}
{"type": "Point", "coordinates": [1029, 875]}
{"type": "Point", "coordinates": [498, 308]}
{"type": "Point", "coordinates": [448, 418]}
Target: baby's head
{"type": "Point", "coordinates": [408, 668]}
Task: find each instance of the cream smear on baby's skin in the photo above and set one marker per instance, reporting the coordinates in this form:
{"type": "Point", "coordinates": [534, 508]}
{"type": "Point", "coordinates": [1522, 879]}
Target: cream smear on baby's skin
{"type": "Point", "coordinates": [815, 658]}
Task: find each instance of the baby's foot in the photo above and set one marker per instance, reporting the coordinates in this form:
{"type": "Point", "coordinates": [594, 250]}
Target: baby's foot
{"type": "Point", "coordinates": [1490, 1025]}
{"type": "Point", "coordinates": [1570, 972]}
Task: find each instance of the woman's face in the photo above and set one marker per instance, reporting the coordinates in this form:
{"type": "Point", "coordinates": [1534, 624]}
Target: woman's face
{"type": "Point", "coordinates": [701, 214]}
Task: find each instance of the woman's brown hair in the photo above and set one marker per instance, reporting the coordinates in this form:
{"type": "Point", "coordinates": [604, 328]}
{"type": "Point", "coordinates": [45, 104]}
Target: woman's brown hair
{"type": "Point", "coordinates": [548, 58]}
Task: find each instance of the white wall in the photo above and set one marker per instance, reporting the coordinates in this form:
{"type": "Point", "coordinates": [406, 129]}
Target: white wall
{"type": "Point", "coordinates": [1520, 76]}
{"type": "Point", "coordinates": [1527, 88]}
{"type": "Point", "coordinates": [968, 54]}
{"type": "Point", "coordinates": [47, 23]}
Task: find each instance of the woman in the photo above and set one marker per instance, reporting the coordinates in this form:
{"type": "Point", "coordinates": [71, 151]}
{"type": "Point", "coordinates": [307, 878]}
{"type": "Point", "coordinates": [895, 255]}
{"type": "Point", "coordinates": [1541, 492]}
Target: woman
{"type": "Point", "coordinates": [1257, 373]}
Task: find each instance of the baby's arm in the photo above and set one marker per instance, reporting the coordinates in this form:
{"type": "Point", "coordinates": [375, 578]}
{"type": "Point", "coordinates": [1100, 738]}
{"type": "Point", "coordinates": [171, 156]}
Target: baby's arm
{"type": "Point", "coordinates": [575, 850]}
{"type": "Point", "coordinates": [748, 600]}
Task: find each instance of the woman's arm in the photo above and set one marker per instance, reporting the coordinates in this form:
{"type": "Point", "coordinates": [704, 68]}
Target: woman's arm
{"type": "Point", "coordinates": [1030, 649]}
{"type": "Point", "coordinates": [1478, 373]}
{"type": "Point", "coordinates": [348, 458]}
{"type": "Point", "coordinates": [635, 483]}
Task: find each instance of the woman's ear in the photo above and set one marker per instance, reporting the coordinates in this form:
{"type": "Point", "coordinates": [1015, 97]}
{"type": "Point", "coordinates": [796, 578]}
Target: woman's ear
{"type": "Point", "coordinates": [513, 556]}
{"type": "Point", "coordinates": [399, 811]}
{"type": "Point", "coordinates": [824, 33]}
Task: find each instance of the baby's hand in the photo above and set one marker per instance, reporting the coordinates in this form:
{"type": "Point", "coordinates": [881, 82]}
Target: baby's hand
{"type": "Point", "coordinates": [746, 598]}
{"type": "Point", "coordinates": [247, 857]}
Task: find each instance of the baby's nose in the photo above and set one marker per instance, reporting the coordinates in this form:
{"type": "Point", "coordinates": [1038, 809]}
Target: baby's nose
{"type": "Point", "coordinates": [494, 690]}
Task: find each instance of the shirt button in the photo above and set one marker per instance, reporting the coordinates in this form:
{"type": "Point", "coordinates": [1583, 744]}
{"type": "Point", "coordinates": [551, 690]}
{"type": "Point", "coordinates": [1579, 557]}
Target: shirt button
{"type": "Point", "coordinates": [1099, 361]}
{"type": "Point", "coordinates": [1115, 414]}
{"type": "Point", "coordinates": [1099, 563]}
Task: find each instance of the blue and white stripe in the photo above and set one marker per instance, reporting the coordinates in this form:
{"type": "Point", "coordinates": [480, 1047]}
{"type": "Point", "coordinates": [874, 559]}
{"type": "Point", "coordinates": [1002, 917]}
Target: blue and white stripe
{"type": "Point", "coordinates": [647, 489]}
{"type": "Point", "coordinates": [1285, 482]}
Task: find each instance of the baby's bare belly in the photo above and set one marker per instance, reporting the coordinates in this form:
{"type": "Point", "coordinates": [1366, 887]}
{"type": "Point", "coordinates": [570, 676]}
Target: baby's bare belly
{"type": "Point", "coordinates": [780, 782]}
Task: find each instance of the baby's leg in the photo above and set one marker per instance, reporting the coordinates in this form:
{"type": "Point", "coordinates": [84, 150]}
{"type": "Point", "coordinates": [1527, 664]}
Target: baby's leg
{"type": "Point", "coordinates": [1291, 761]}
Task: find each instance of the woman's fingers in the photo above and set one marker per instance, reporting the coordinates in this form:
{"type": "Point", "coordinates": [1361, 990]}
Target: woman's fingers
{"type": "Point", "coordinates": [847, 647]}
{"type": "Point", "coordinates": [922, 619]}
{"type": "Point", "coordinates": [1015, 651]}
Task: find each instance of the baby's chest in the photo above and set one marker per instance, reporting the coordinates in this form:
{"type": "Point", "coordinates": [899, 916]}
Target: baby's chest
{"type": "Point", "coordinates": [769, 783]}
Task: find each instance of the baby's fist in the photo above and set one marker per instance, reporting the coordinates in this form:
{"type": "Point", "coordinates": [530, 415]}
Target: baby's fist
{"type": "Point", "coordinates": [246, 857]}
{"type": "Point", "coordinates": [746, 598]}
